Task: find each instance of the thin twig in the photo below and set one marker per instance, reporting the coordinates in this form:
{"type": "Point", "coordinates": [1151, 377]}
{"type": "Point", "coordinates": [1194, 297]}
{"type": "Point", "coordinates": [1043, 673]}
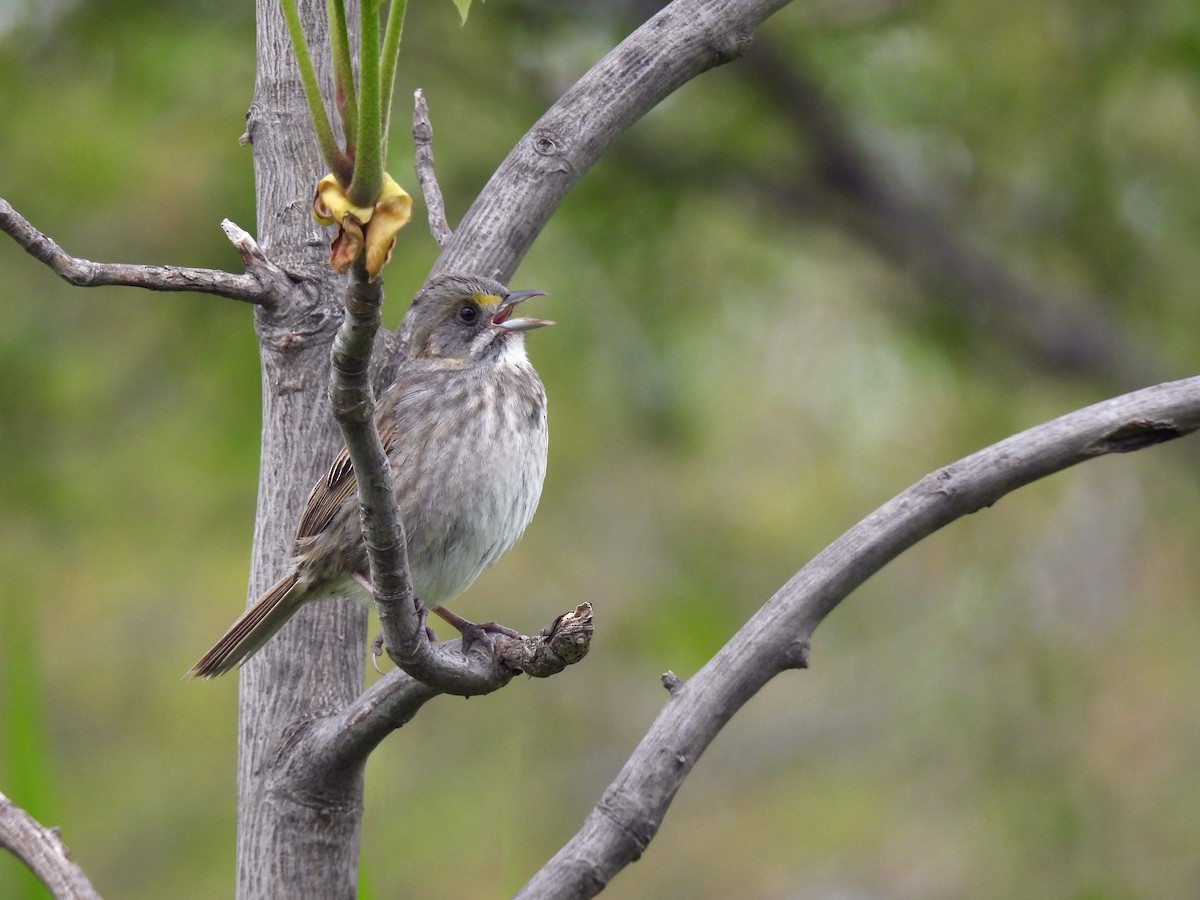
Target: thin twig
{"type": "Point", "coordinates": [263, 284]}
{"type": "Point", "coordinates": [353, 406]}
{"type": "Point", "coordinates": [42, 851]}
{"type": "Point", "coordinates": [423, 141]}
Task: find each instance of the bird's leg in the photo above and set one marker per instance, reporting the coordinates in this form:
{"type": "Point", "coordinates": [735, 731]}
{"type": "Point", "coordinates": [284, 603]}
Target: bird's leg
{"type": "Point", "coordinates": [423, 619]}
{"type": "Point", "coordinates": [377, 651]}
{"type": "Point", "coordinates": [470, 631]}
{"type": "Point", "coordinates": [376, 645]}
{"type": "Point", "coordinates": [422, 616]}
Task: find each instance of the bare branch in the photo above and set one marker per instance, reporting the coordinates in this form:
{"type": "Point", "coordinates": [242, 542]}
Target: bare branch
{"type": "Point", "coordinates": [338, 746]}
{"type": "Point", "coordinates": [777, 637]}
{"type": "Point", "coordinates": [263, 284]}
{"type": "Point", "coordinates": [42, 851]}
{"type": "Point", "coordinates": [423, 163]}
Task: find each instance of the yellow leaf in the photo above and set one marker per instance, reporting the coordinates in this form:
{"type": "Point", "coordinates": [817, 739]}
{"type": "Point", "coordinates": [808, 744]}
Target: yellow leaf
{"type": "Point", "coordinates": [392, 212]}
{"type": "Point", "coordinates": [331, 203]}
{"type": "Point", "coordinates": [370, 228]}
{"type": "Point", "coordinates": [344, 248]}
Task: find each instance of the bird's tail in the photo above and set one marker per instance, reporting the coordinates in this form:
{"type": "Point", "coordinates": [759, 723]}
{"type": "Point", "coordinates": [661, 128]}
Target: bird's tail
{"type": "Point", "coordinates": [252, 629]}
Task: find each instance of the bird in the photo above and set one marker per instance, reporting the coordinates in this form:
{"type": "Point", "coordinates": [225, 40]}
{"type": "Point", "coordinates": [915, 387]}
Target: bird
{"type": "Point", "coordinates": [464, 428]}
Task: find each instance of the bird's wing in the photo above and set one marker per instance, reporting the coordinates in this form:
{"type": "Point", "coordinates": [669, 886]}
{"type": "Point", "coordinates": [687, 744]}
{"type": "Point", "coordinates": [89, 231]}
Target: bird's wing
{"type": "Point", "coordinates": [339, 482]}
{"type": "Point", "coordinates": [326, 498]}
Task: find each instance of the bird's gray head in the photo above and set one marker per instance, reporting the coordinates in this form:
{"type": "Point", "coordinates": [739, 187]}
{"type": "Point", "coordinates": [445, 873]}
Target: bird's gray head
{"type": "Point", "coordinates": [466, 318]}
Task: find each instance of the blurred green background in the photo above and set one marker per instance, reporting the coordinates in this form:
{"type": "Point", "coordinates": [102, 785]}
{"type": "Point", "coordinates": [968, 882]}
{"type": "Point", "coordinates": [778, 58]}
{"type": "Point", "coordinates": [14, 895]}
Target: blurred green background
{"type": "Point", "coordinates": [878, 243]}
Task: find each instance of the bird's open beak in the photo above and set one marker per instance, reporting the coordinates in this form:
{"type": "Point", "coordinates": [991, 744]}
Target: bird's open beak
{"type": "Point", "coordinates": [501, 318]}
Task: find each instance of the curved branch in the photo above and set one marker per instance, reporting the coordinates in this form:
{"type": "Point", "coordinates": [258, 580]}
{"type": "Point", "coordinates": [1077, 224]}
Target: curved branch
{"type": "Point", "coordinates": [338, 746]}
{"type": "Point", "coordinates": [776, 638]}
{"type": "Point", "coordinates": [43, 853]}
{"type": "Point", "coordinates": [263, 284]}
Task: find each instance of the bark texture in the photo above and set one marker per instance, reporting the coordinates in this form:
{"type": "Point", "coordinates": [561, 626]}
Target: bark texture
{"type": "Point", "coordinates": [290, 843]}
{"type": "Point", "coordinates": [42, 851]}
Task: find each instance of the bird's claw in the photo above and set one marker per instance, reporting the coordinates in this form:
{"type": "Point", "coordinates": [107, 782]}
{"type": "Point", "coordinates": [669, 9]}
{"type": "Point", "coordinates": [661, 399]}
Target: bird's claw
{"type": "Point", "coordinates": [473, 632]}
{"type": "Point", "coordinates": [422, 622]}
{"type": "Point", "coordinates": [377, 651]}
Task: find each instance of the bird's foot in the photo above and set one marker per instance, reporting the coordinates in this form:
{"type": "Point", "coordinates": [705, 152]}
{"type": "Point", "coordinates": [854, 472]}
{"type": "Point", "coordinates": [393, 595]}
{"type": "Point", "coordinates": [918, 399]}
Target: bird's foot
{"type": "Point", "coordinates": [377, 651]}
{"type": "Point", "coordinates": [474, 632]}
{"type": "Point", "coordinates": [422, 616]}
{"type": "Point", "coordinates": [423, 619]}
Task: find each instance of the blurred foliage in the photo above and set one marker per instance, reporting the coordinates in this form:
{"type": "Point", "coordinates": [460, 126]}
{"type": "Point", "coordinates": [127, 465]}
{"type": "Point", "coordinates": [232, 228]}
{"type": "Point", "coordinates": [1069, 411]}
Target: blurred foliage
{"type": "Point", "coordinates": [1008, 710]}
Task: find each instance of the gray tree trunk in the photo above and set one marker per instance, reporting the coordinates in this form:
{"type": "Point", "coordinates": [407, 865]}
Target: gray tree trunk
{"type": "Point", "coordinates": [287, 845]}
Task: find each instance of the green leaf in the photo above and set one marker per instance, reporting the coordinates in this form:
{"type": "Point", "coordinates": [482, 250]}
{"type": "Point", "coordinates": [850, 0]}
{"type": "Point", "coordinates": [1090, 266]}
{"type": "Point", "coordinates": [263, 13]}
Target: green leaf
{"type": "Point", "coordinates": [343, 70]}
{"type": "Point", "coordinates": [387, 72]}
{"type": "Point", "coordinates": [368, 162]}
{"type": "Point", "coordinates": [464, 7]}
{"type": "Point", "coordinates": [334, 157]}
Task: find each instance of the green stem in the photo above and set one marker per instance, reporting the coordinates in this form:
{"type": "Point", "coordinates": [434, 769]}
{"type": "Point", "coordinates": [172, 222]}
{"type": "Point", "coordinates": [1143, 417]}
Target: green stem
{"type": "Point", "coordinates": [391, 54]}
{"type": "Point", "coordinates": [343, 71]}
{"type": "Point", "coordinates": [368, 164]}
{"type": "Point", "coordinates": [333, 155]}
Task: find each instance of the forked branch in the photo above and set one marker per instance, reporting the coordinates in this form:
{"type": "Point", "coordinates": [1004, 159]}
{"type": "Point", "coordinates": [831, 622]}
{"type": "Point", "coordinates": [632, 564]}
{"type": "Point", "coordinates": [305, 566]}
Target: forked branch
{"type": "Point", "coordinates": [263, 284]}
{"type": "Point", "coordinates": [338, 746]}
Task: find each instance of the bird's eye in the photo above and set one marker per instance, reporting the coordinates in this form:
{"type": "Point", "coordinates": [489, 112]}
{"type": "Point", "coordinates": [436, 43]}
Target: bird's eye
{"type": "Point", "coordinates": [467, 313]}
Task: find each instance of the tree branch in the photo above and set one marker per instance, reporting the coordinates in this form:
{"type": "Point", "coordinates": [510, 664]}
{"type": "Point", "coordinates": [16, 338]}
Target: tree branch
{"type": "Point", "coordinates": [777, 637]}
{"type": "Point", "coordinates": [263, 284]}
{"type": "Point", "coordinates": [42, 851]}
{"type": "Point", "coordinates": [338, 746]}
{"type": "Point", "coordinates": [354, 408]}
{"type": "Point", "coordinates": [422, 131]}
